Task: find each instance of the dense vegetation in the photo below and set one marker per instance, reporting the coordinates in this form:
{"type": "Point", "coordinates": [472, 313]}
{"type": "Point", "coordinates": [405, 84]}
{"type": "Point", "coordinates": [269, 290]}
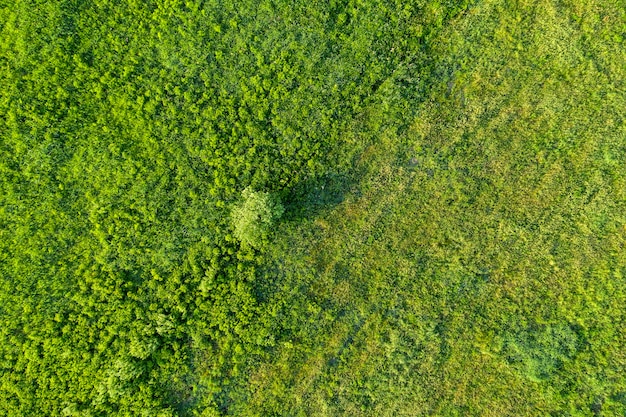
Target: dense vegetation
{"type": "Point", "coordinates": [341, 207]}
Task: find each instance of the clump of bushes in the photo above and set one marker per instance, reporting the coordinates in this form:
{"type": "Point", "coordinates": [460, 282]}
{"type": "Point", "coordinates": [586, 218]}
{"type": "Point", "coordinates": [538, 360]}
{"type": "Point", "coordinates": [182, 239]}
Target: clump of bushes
{"type": "Point", "coordinates": [254, 216]}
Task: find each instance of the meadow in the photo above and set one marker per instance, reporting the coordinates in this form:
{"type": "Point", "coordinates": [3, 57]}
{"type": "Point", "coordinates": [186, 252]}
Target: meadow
{"type": "Point", "coordinates": [313, 208]}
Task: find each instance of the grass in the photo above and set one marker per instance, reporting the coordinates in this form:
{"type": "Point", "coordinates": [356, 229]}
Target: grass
{"type": "Point", "coordinates": [454, 186]}
{"type": "Point", "coordinates": [476, 269]}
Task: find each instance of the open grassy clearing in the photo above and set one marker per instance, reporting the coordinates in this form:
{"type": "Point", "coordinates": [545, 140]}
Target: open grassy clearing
{"type": "Point", "coordinates": [476, 268]}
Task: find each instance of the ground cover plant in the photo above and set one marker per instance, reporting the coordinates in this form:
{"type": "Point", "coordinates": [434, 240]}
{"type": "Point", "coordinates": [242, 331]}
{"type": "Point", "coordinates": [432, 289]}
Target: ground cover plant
{"type": "Point", "coordinates": [264, 208]}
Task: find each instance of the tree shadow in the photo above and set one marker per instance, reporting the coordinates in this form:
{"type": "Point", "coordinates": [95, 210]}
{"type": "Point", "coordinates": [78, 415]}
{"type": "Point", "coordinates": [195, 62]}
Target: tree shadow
{"type": "Point", "coordinates": [314, 195]}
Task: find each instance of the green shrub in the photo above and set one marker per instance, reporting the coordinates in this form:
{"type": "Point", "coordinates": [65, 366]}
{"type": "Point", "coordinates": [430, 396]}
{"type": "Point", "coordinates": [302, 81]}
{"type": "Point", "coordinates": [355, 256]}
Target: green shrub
{"type": "Point", "coordinates": [254, 216]}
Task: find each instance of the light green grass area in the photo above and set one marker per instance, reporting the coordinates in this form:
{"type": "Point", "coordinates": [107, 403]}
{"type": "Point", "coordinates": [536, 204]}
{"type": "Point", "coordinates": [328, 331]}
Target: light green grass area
{"type": "Point", "coordinates": [477, 267]}
{"type": "Point", "coordinates": [434, 221]}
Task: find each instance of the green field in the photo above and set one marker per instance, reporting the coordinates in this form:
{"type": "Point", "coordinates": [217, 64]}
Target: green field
{"type": "Point", "coordinates": [313, 208]}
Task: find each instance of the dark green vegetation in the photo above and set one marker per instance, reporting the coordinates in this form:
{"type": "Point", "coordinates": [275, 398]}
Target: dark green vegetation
{"type": "Point", "coordinates": [453, 178]}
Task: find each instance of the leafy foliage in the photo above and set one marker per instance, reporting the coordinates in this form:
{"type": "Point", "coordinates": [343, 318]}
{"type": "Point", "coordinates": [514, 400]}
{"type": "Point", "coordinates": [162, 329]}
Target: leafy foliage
{"type": "Point", "coordinates": [453, 229]}
{"type": "Point", "coordinates": [254, 217]}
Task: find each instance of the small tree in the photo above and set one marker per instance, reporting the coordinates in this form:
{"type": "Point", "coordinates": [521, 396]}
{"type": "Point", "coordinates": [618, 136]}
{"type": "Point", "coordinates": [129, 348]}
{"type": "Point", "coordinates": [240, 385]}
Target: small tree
{"type": "Point", "coordinates": [254, 216]}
